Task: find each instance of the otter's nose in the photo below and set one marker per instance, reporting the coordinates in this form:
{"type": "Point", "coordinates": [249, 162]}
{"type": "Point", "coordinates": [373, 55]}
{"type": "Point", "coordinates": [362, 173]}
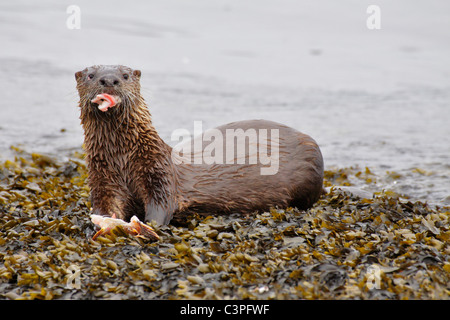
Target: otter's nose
{"type": "Point", "coordinates": [109, 81]}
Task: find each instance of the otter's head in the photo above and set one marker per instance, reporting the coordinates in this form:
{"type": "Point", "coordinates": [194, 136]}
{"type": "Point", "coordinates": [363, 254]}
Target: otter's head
{"type": "Point", "coordinates": [108, 88]}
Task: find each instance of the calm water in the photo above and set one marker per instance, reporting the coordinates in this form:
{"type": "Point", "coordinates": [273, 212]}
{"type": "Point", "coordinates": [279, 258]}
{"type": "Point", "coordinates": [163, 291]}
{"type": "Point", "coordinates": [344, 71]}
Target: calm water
{"type": "Point", "coordinates": [375, 98]}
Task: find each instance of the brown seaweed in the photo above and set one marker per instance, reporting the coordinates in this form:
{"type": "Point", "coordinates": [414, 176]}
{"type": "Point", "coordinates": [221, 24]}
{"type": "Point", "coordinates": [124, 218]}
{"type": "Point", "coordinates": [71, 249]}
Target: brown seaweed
{"type": "Point", "coordinates": [345, 247]}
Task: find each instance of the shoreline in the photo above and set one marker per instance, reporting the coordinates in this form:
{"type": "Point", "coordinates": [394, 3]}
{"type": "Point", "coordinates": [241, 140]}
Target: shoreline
{"type": "Point", "coordinates": [338, 249]}
{"type": "Point", "coordinates": [373, 179]}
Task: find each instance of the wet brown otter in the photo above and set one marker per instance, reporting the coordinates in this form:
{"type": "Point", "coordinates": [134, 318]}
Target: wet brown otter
{"type": "Point", "coordinates": [132, 171]}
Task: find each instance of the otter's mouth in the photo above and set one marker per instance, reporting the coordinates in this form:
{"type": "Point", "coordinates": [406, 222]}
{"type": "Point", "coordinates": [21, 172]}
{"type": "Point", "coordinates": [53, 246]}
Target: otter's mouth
{"type": "Point", "coordinates": [106, 101]}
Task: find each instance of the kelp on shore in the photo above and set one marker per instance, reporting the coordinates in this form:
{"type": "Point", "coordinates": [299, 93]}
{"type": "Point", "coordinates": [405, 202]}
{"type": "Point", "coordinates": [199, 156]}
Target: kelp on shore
{"type": "Point", "coordinates": [345, 247]}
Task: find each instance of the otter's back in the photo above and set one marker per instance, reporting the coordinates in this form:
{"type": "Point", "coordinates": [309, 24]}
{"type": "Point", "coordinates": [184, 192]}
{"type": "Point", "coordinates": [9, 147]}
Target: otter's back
{"type": "Point", "coordinates": [250, 165]}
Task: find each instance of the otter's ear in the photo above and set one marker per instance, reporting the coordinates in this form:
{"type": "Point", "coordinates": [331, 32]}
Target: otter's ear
{"type": "Point", "coordinates": [78, 75]}
{"type": "Point", "coordinates": [137, 73]}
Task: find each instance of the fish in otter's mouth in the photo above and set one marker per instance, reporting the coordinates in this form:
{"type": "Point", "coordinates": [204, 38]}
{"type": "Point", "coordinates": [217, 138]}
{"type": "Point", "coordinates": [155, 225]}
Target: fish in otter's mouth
{"type": "Point", "coordinates": [106, 101]}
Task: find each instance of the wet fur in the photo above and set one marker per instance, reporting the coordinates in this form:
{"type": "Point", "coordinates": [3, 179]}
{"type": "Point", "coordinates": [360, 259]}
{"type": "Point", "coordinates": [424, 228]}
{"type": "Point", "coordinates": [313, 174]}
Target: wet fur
{"type": "Point", "coordinates": [127, 160]}
{"type": "Point", "coordinates": [131, 171]}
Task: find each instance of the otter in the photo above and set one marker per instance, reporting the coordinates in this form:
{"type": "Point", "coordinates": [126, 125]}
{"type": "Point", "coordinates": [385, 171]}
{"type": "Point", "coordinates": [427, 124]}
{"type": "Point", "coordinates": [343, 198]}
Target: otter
{"type": "Point", "coordinates": [133, 172]}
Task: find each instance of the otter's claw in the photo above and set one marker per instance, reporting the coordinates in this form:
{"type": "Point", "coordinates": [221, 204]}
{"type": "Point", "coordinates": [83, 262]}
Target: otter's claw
{"type": "Point", "coordinates": [134, 227]}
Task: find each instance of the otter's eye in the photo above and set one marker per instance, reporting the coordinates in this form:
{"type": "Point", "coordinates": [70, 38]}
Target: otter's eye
{"type": "Point", "coordinates": [90, 76]}
{"type": "Point", "coordinates": [125, 76]}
